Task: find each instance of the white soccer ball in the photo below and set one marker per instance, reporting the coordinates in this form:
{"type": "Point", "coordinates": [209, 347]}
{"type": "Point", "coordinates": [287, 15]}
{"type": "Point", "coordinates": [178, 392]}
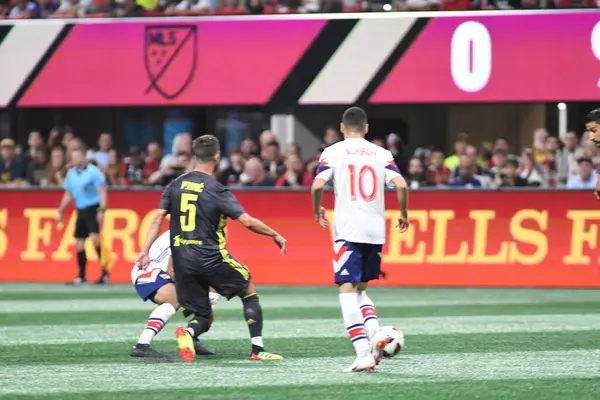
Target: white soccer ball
{"type": "Point", "coordinates": [393, 339]}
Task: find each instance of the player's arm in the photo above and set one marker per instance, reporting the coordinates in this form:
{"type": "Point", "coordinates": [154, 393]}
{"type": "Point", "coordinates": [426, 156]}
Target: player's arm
{"type": "Point", "coordinates": [393, 176]}
{"type": "Point", "coordinates": [324, 174]}
{"type": "Point", "coordinates": [259, 227]}
{"type": "Point", "coordinates": [64, 203]}
{"type": "Point", "coordinates": [231, 208]}
{"type": "Point", "coordinates": [598, 186]}
{"type": "Point", "coordinates": [170, 269]}
{"type": "Point", "coordinates": [159, 216]}
{"type": "Point", "coordinates": [101, 188]}
{"type": "Point", "coordinates": [66, 199]}
{"type": "Point", "coordinates": [154, 231]}
{"type": "Point", "coordinates": [316, 192]}
{"type": "Point", "coordinates": [402, 196]}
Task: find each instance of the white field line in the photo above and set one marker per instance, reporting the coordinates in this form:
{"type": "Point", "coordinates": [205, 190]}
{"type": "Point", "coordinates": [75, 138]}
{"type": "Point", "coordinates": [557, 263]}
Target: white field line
{"type": "Point", "coordinates": [133, 375]}
{"type": "Point", "coordinates": [401, 294]}
{"type": "Point", "coordinates": [301, 328]}
{"type": "Point", "coordinates": [294, 300]}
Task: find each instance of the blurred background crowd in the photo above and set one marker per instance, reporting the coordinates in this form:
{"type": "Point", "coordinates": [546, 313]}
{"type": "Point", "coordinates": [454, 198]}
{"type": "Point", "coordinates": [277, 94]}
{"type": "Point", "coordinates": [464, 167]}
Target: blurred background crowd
{"type": "Point", "coordinates": [549, 162]}
{"type": "Point", "coordinates": [138, 8]}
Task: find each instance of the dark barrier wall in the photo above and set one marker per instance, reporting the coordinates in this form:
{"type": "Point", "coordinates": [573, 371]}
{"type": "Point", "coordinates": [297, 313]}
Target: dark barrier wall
{"type": "Point", "coordinates": [541, 238]}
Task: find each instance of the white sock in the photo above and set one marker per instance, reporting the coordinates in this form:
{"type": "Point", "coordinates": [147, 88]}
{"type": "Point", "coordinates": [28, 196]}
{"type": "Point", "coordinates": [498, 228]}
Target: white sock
{"type": "Point", "coordinates": [214, 299]}
{"type": "Point", "coordinates": [368, 314]}
{"type": "Point", "coordinates": [354, 323]}
{"type": "Point", "coordinates": [257, 341]}
{"type": "Point", "coordinates": [156, 321]}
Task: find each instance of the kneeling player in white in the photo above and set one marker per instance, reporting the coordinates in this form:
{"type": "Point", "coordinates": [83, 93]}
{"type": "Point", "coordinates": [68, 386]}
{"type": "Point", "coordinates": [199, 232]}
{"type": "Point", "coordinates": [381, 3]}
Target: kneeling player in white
{"type": "Point", "coordinates": [156, 283]}
{"type": "Point", "coordinates": [360, 171]}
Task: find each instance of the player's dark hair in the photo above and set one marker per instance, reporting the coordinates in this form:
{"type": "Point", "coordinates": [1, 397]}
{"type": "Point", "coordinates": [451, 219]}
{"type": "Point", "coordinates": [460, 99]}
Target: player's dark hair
{"type": "Point", "coordinates": [206, 148]}
{"type": "Point", "coordinates": [355, 119]}
{"type": "Point", "coordinates": [593, 116]}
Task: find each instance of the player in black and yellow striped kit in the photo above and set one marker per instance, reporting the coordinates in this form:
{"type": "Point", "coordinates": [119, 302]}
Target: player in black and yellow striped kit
{"type": "Point", "coordinates": [199, 207]}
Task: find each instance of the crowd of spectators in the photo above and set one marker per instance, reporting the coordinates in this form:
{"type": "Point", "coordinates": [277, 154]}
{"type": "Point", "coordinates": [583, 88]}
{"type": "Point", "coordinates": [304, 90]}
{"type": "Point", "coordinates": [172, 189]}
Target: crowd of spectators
{"type": "Point", "coordinates": [138, 8]}
{"type": "Point", "coordinates": [548, 163]}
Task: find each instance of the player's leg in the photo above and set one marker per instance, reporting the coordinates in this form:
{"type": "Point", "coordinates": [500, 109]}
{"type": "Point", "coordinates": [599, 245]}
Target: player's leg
{"type": "Point", "coordinates": [367, 308]}
{"type": "Point", "coordinates": [214, 297]}
{"type": "Point", "coordinates": [94, 231]}
{"type": "Point", "coordinates": [348, 275]}
{"type": "Point", "coordinates": [166, 299]}
{"type": "Point", "coordinates": [81, 233]}
{"type": "Point", "coordinates": [233, 279]}
{"type": "Point", "coordinates": [254, 318]}
{"type": "Point", "coordinates": [371, 271]}
{"type": "Point", "coordinates": [192, 293]}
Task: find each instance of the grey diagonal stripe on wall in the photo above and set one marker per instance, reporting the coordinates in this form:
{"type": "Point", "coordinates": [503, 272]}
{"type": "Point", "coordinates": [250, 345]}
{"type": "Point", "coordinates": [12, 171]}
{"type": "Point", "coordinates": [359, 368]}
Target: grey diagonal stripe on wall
{"type": "Point", "coordinates": [357, 61]}
{"type": "Point", "coordinates": [22, 50]}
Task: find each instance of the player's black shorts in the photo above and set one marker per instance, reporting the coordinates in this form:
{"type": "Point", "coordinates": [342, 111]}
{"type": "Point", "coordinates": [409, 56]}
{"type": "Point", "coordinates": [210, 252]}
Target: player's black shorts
{"type": "Point", "coordinates": [229, 278]}
{"type": "Point", "coordinates": [87, 222]}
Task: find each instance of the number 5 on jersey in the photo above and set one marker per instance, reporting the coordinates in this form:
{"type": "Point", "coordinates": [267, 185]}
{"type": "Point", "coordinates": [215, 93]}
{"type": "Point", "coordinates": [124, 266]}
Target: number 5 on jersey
{"type": "Point", "coordinates": [188, 212]}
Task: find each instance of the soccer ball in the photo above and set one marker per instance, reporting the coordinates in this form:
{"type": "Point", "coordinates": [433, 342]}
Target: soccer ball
{"type": "Point", "coordinates": [393, 338]}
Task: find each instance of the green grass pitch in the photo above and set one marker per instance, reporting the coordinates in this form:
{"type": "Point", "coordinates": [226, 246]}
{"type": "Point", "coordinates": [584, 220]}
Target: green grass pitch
{"type": "Point", "coordinates": [67, 343]}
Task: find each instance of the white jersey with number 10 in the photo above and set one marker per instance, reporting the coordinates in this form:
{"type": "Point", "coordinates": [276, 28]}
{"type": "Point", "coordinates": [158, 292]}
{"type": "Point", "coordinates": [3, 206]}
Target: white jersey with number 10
{"type": "Point", "coordinates": [360, 172]}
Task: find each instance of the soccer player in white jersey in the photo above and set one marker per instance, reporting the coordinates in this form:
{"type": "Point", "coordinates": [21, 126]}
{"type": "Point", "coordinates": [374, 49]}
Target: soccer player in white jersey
{"type": "Point", "coordinates": [156, 283]}
{"type": "Point", "coordinates": [360, 171]}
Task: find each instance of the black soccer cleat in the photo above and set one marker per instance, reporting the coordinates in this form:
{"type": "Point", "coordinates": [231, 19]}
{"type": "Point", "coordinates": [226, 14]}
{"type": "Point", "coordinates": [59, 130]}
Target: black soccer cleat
{"type": "Point", "coordinates": [103, 280]}
{"type": "Point", "coordinates": [145, 351]}
{"type": "Point", "coordinates": [201, 350]}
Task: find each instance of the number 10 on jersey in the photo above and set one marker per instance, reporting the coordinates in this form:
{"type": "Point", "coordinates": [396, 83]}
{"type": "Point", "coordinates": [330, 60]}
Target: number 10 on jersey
{"type": "Point", "coordinates": [360, 182]}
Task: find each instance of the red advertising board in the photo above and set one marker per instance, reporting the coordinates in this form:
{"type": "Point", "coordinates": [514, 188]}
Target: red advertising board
{"type": "Point", "coordinates": [536, 239]}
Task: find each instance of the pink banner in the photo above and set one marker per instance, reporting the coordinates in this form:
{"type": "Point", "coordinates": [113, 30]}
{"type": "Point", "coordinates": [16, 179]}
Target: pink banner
{"type": "Point", "coordinates": [545, 57]}
{"type": "Point", "coordinates": [490, 58]}
{"type": "Point", "coordinates": [167, 63]}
